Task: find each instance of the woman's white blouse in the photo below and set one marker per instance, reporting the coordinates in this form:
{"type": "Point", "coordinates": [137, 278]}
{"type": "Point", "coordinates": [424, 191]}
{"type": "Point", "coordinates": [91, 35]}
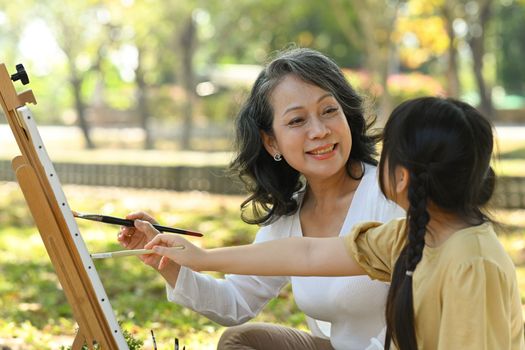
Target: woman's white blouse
{"type": "Point", "coordinates": [348, 309]}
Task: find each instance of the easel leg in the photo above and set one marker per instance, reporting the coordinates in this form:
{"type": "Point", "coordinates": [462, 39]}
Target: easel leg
{"type": "Point", "coordinates": [79, 341]}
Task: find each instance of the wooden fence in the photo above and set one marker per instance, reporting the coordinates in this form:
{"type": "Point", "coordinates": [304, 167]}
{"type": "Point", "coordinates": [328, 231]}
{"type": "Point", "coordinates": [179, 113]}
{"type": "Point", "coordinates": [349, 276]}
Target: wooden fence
{"type": "Point", "coordinates": [510, 191]}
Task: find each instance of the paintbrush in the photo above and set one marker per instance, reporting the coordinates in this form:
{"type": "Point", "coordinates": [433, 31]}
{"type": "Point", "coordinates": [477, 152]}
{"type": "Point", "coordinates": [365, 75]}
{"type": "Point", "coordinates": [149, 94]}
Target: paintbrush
{"type": "Point", "coordinates": [129, 252]}
{"type": "Point", "coordinates": [130, 223]}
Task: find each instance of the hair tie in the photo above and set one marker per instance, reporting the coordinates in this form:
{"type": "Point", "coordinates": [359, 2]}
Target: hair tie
{"type": "Point", "coordinates": [409, 273]}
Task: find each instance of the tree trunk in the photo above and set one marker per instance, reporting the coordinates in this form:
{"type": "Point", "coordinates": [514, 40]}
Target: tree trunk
{"type": "Point", "coordinates": [143, 103]}
{"type": "Point", "coordinates": [477, 47]}
{"type": "Point", "coordinates": [379, 48]}
{"type": "Point", "coordinates": [453, 87]}
{"type": "Point", "coordinates": [187, 44]}
{"type": "Point", "coordinates": [76, 85]}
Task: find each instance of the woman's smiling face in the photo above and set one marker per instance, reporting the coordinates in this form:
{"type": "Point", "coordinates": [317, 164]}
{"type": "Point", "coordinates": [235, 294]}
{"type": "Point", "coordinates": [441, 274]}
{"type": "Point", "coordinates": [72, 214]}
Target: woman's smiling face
{"type": "Point", "coordinates": [310, 129]}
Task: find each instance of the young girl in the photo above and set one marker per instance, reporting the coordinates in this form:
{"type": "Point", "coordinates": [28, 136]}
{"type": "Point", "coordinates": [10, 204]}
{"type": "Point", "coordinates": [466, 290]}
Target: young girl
{"type": "Point", "coordinates": [452, 284]}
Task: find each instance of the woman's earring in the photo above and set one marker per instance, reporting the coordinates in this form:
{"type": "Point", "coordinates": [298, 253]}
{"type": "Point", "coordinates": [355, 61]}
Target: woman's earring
{"type": "Point", "coordinates": [278, 157]}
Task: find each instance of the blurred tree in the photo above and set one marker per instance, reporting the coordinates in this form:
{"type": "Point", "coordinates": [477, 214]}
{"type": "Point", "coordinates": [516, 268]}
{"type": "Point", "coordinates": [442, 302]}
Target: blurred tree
{"type": "Point", "coordinates": [466, 21]}
{"type": "Point", "coordinates": [256, 30]}
{"type": "Point", "coordinates": [165, 41]}
{"type": "Point", "coordinates": [453, 85]}
{"type": "Point", "coordinates": [187, 42]}
{"type": "Point", "coordinates": [171, 46]}
{"type": "Point", "coordinates": [13, 19]}
{"type": "Point", "coordinates": [25, 38]}
{"type": "Point", "coordinates": [253, 32]}
{"type": "Point", "coordinates": [426, 34]}
{"type": "Point", "coordinates": [478, 15]}
{"type": "Point", "coordinates": [10, 18]}
{"type": "Point", "coordinates": [81, 32]}
{"type": "Point", "coordinates": [510, 49]}
{"type": "Point", "coordinates": [372, 33]}
{"type": "Point", "coordinates": [139, 42]}
{"type": "Point", "coordinates": [469, 21]}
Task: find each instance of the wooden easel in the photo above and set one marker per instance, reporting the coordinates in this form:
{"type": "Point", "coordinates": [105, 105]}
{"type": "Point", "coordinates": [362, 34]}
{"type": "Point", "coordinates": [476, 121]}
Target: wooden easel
{"type": "Point", "coordinates": [48, 205]}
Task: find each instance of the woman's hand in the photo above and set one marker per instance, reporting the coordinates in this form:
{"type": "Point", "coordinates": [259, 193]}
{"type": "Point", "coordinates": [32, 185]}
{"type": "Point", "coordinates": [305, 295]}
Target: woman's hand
{"type": "Point", "coordinates": [175, 248]}
{"type": "Point", "coordinates": [134, 238]}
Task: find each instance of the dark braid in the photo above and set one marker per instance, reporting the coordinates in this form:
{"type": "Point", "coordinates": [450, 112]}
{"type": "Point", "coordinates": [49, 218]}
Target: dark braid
{"type": "Point", "coordinates": [417, 219]}
{"type": "Point", "coordinates": [400, 313]}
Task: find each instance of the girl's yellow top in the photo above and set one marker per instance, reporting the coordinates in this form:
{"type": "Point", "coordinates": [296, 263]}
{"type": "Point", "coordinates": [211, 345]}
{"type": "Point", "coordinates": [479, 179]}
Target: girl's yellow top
{"type": "Point", "coordinates": [465, 291]}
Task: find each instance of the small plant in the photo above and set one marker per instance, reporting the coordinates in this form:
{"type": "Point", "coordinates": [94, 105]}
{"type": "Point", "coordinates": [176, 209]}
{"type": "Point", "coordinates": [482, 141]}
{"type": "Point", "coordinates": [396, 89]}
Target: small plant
{"type": "Point", "coordinates": [133, 344]}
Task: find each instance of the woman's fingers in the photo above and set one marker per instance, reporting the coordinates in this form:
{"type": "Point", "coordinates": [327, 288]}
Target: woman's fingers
{"type": "Point", "coordinates": [167, 240]}
{"type": "Point", "coordinates": [177, 249]}
{"type": "Point", "coordinates": [176, 253]}
{"type": "Point", "coordinates": [141, 215]}
{"type": "Point", "coordinates": [138, 237]}
{"type": "Point", "coordinates": [146, 227]}
{"type": "Point", "coordinates": [140, 234]}
{"type": "Point", "coordinates": [167, 251]}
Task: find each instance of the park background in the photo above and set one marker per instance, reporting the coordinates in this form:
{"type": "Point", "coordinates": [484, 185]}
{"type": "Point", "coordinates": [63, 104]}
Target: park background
{"type": "Point", "coordinates": [151, 88]}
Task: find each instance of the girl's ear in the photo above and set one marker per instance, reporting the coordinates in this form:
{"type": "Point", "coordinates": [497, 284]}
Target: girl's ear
{"type": "Point", "coordinates": [270, 144]}
{"type": "Point", "coordinates": [402, 179]}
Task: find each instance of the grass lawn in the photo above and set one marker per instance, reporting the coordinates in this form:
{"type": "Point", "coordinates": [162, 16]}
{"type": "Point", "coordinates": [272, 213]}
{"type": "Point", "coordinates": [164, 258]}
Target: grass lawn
{"type": "Point", "coordinates": [33, 310]}
{"type": "Point", "coordinates": [35, 314]}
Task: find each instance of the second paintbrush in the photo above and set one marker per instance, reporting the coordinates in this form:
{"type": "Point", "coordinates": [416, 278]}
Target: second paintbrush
{"type": "Point", "coordinates": [130, 223]}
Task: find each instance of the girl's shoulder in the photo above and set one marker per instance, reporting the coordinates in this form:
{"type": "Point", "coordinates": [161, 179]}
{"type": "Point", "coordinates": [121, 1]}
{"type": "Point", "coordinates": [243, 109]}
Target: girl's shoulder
{"type": "Point", "coordinates": [376, 246]}
{"type": "Point", "coordinates": [474, 248]}
{"type": "Point", "coordinates": [389, 234]}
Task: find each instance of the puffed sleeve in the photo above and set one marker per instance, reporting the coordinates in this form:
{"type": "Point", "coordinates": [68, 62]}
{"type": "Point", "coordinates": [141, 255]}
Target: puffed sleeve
{"type": "Point", "coordinates": [476, 309]}
{"type": "Point", "coordinates": [376, 246]}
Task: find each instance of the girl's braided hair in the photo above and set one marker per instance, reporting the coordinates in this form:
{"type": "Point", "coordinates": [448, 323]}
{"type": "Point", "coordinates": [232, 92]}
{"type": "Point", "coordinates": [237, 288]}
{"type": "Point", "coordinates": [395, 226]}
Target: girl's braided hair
{"type": "Point", "coordinates": [446, 146]}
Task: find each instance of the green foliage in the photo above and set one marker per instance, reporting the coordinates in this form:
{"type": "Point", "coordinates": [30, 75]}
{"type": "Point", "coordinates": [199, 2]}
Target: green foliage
{"type": "Point", "coordinates": [224, 105]}
{"type": "Point", "coordinates": [410, 85]}
{"type": "Point", "coordinates": [401, 86]}
{"type": "Point", "coordinates": [108, 44]}
{"type": "Point", "coordinates": [133, 344]}
{"type": "Point", "coordinates": [511, 26]}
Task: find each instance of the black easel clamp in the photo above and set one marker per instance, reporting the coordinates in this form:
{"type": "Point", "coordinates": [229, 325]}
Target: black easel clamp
{"type": "Point", "coordinates": [20, 74]}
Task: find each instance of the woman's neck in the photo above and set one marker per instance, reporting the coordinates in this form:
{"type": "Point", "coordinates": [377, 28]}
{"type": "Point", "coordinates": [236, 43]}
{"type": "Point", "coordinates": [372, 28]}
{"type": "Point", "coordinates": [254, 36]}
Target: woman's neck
{"type": "Point", "coordinates": [320, 192]}
{"type": "Point", "coordinates": [325, 205]}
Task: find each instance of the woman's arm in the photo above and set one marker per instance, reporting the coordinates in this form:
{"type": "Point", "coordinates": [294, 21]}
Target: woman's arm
{"type": "Point", "coordinates": [281, 257]}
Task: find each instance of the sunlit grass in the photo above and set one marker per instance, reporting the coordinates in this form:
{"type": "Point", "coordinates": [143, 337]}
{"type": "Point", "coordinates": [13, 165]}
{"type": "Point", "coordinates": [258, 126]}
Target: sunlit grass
{"type": "Point", "coordinates": [34, 312]}
{"type": "Point", "coordinates": [510, 167]}
{"type": "Point", "coordinates": [33, 309]}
